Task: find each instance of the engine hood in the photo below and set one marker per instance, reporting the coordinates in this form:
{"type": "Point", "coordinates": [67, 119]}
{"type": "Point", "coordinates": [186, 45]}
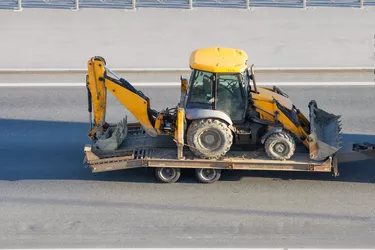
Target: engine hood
{"type": "Point", "coordinates": [267, 96]}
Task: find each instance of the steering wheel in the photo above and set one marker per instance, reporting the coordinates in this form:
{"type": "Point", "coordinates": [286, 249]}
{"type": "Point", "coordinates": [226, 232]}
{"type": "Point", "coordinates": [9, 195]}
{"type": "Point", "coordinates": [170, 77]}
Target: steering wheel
{"type": "Point", "coordinates": [231, 83]}
{"type": "Point", "coordinates": [226, 89]}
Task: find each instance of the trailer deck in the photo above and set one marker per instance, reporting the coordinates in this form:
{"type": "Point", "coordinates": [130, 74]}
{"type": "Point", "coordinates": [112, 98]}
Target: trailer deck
{"type": "Point", "coordinates": [140, 150]}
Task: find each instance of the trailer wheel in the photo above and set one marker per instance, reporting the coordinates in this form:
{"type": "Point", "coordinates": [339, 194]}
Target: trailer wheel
{"type": "Point", "coordinates": [167, 175]}
{"type": "Point", "coordinates": [207, 175]}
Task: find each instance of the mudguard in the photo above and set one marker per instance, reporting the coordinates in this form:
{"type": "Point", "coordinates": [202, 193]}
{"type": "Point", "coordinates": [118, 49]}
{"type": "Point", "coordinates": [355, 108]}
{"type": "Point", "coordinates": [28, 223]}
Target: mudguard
{"type": "Point", "coordinates": [193, 114]}
{"type": "Point", "coordinates": [270, 132]}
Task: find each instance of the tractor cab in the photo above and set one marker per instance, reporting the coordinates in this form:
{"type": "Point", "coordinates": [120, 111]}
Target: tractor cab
{"type": "Point", "coordinates": [219, 81]}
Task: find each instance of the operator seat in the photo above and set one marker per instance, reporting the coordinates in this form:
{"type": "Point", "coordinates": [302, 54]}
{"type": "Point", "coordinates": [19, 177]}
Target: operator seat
{"type": "Point", "coordinates": [206, 85]}
{"type": "Point", "coordinates": [202, 92]}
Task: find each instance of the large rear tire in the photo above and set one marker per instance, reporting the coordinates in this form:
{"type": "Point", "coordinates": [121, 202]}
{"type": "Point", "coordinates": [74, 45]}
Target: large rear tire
{"type": "Point", "coordinates": [280, 146]}
{"type": "Point", "coordinates": [209, 138]}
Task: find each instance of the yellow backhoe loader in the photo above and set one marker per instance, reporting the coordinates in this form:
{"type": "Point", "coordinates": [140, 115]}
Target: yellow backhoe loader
{"type": "Point", "coordinates": [220, 106]}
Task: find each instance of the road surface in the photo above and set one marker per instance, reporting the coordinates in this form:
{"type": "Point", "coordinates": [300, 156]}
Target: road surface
{"type": "Point", "coordinates": [48, 199]}
{"type": "Point", "coordinates": [154, 38]}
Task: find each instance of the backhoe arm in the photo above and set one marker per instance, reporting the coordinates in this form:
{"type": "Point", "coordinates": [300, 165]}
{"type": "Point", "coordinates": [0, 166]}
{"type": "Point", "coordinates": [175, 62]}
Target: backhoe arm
{"type": "Point", "coordinates": [136, 102]}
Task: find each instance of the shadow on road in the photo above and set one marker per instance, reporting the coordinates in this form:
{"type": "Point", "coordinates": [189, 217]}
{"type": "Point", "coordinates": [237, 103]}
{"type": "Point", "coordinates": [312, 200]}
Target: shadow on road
{"type": "Point", "coordinates": [47, 150]}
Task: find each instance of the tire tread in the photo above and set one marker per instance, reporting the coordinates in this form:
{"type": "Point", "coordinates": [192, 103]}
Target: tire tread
{"type": "Point", "coordinates": [198, 125]}
{"type": "Point", "coordinates": [277, 136]}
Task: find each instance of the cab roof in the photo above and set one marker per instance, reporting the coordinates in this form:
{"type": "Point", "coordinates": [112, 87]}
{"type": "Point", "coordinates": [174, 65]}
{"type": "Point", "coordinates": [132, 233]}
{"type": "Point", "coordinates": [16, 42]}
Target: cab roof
{"type": "Point", "coordinates": [219, 60]}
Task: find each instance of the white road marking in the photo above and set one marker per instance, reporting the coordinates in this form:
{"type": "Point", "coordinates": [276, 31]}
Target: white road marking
{"type": "Point", "coordinates": [175, 84]}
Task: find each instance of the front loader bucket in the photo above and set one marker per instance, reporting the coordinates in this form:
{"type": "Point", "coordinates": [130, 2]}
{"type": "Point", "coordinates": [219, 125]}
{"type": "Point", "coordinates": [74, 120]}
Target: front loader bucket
{"type": "Point", "coordinates": [113, 137]}
{"type": "Point", "coordinates": [325, 133]}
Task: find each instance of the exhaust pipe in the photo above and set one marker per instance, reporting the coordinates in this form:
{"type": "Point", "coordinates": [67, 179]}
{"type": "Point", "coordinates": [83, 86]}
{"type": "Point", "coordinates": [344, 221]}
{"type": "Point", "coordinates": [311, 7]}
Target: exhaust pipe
{"type": "Point", "coordinates": [325, 133]}
{"type": "Point", "coordinates": [368, 149]}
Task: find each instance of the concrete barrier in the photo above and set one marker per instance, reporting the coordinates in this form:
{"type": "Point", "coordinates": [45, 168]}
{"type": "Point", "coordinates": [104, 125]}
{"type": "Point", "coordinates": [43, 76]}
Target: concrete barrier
{"type": "Point", "coordinates": [277, 75]}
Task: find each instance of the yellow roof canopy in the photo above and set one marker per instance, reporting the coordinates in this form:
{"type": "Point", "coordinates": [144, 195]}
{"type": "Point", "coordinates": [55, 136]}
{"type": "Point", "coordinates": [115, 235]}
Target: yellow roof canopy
{"type": "Point", "coordinates": [219, 60]}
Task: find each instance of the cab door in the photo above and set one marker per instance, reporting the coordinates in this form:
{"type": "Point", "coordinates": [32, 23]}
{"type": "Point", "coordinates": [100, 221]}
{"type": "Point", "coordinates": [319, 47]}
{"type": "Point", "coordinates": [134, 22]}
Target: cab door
{"type": "Point", "coordinates": [201, 91]}
{"type": "Point", "coordinates": [230, 96]}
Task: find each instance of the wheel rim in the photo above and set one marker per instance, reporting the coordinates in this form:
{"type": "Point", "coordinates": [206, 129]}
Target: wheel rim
{"type": "Point", "coordinates": [210, 140]}
{"type": "Point", "coordinates": [280, 148]}
{"type": "Point", "coordinates": [168, 173]}
{"type": "Point", "coordinates": [207, 174]}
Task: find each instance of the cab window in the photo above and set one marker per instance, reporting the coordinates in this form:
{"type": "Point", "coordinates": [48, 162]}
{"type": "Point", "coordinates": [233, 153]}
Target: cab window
{"type": "Point", "coordinates": [201, 88]}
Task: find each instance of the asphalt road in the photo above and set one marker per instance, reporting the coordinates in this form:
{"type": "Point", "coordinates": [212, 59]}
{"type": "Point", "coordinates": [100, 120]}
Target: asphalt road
{"type": "Point", "coordinates": [272, 37]}
{"type": "Point", "coordinates": [48, 199]}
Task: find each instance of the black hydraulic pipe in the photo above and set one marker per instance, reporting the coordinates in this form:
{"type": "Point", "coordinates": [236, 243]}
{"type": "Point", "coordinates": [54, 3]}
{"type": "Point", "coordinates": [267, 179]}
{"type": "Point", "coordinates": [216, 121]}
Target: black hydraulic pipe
{"type": "Point", "coordinates": [89, 99]}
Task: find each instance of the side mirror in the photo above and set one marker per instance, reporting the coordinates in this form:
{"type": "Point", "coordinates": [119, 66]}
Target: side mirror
{"type": "Point", "coordinates": [184, 83]}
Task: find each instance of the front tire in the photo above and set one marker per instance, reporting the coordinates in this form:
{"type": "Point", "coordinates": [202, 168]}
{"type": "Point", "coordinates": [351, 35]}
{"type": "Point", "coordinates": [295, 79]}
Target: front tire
{"type": "Point", "coordinates": [209, 138]}
{"type": "Point", "coordinates": [280, 146]}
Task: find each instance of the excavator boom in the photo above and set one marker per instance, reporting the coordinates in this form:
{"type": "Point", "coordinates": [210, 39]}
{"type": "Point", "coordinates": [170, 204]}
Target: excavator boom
{"type": "Point", "coordinates": [97, 83]}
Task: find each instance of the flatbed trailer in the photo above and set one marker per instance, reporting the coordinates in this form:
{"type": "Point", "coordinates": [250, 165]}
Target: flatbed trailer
{"type": "Point", "coordinates": [140, 150]}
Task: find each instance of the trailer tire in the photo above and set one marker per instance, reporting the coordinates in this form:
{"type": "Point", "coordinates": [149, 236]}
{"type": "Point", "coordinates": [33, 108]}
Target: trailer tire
{"type": "Point", "coordinates": [207, 175]}
{"type": "Point", "coordinates": [280, 146]}
{"type": "Point", "coordinates": [209, 138]}
{"type": "Point", "coordinates": [167, 175]}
